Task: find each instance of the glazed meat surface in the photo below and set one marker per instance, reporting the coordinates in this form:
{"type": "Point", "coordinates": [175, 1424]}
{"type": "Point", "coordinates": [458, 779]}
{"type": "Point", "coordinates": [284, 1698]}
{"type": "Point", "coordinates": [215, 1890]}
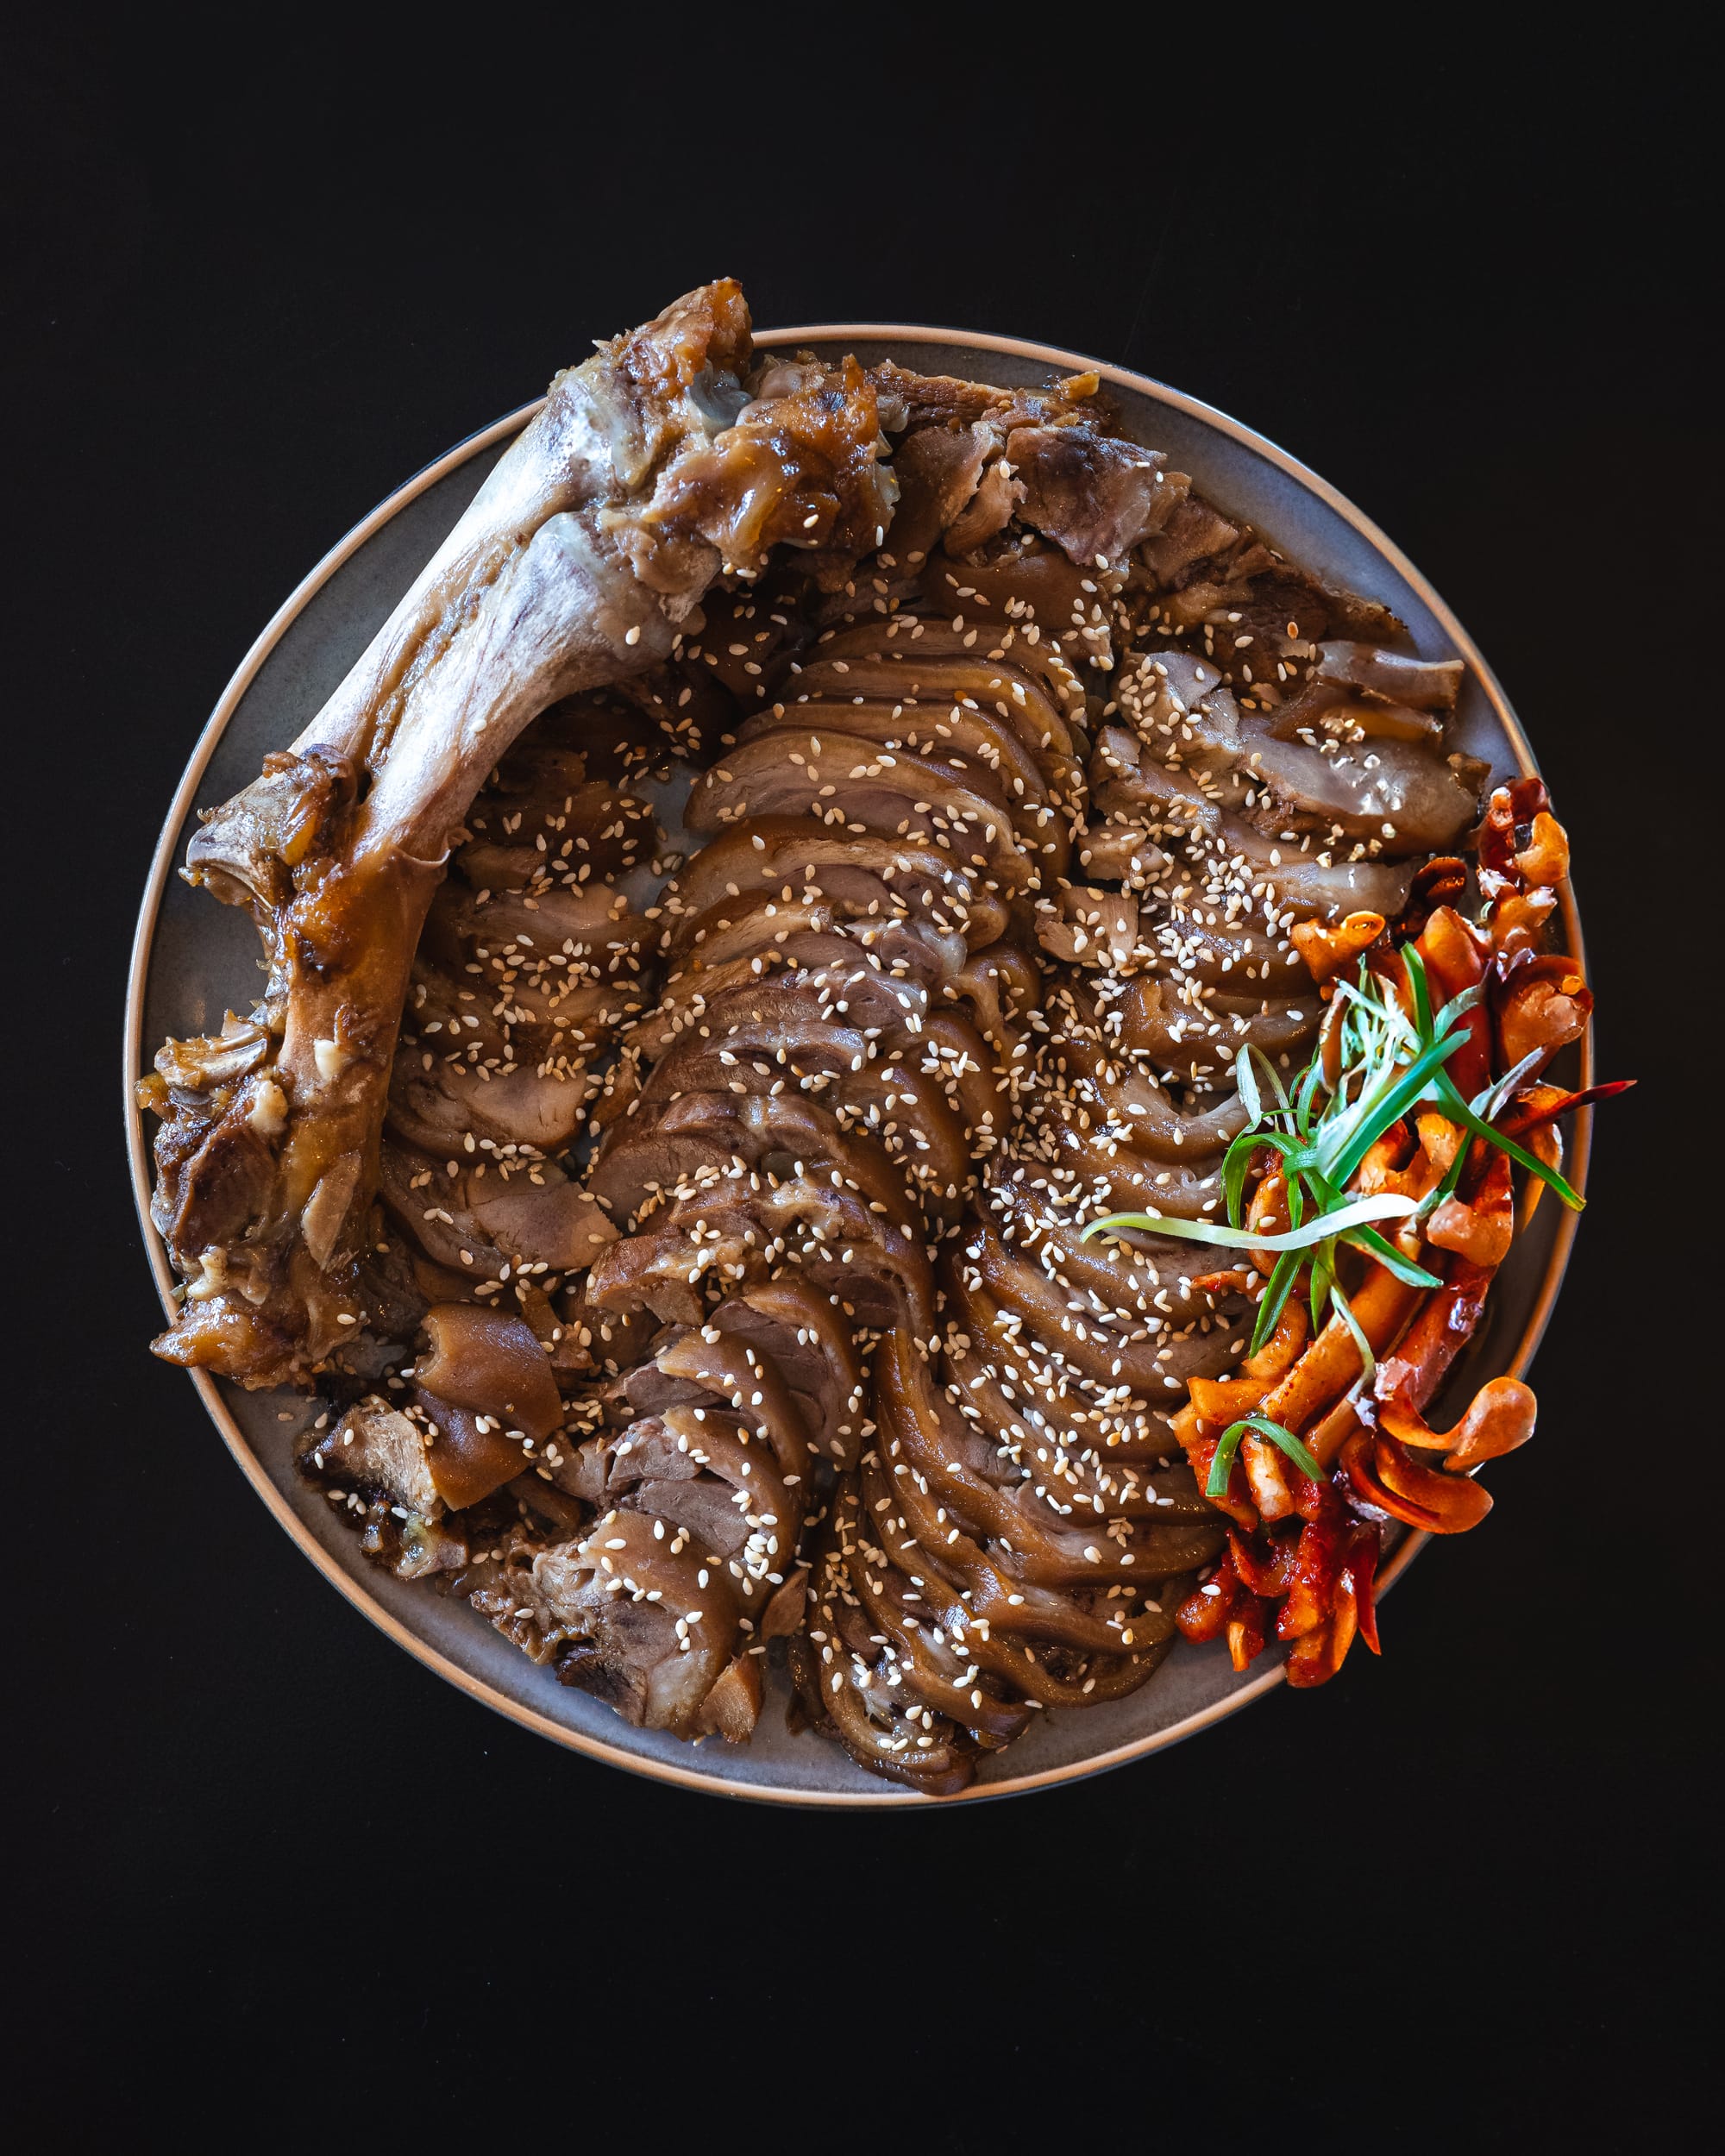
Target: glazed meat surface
{"type": "Point", "coordinates": [649, 473]}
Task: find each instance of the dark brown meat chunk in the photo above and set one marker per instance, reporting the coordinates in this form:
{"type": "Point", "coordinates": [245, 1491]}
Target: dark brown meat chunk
{"type": "Point", "coordinates": [1094, 495]}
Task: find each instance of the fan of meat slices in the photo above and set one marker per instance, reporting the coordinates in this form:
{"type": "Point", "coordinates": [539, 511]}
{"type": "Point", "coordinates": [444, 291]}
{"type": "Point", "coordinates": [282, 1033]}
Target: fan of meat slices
{"type": "Point", "coordinates": [996, 1189]}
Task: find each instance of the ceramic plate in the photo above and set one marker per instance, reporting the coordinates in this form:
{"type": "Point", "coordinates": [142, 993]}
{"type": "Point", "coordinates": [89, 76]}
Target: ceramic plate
{"type": "Point", "coordinates": [193, 958]}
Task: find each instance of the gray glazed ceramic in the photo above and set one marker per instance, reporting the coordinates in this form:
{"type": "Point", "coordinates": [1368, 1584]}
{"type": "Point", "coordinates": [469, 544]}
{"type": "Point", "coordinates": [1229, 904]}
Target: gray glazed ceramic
{"type": "Point", "coordinates": [193, 958]}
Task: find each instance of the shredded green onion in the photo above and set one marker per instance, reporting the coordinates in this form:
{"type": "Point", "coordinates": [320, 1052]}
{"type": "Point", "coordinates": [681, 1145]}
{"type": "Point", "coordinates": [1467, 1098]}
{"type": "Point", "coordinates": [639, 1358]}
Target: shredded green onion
{"type": "Point", "coordinates": [1345, 1312]}
{"type": "Point", "coordinates": [1222, 1466]}
{"type": "Point", "coordinates": [1327, 1226]}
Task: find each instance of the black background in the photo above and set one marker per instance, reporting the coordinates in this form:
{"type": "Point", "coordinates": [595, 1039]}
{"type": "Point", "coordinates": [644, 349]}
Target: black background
{"type": "Point", "coordinates": [266, 1860]}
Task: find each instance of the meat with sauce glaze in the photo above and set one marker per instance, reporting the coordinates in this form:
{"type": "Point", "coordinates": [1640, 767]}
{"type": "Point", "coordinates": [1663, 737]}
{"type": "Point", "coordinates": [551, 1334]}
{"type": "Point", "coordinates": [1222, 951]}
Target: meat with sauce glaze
{"type": "Point", "coordinates": [647, 474]}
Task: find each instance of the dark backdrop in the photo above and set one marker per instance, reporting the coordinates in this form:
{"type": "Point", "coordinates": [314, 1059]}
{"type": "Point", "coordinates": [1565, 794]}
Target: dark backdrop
{"type": "Point", "coordinates": [248, 291]}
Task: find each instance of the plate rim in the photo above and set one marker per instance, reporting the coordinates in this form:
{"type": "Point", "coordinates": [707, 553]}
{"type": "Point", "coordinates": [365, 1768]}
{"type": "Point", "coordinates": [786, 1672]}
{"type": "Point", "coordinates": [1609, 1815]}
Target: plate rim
{"type": "Point", "coordinates": [355, 1591]}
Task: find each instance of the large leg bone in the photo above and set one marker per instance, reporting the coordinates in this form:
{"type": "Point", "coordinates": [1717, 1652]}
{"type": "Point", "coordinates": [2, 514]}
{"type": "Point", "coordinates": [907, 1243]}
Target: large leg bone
{"type": "Point", "coordinates": [647, 473]}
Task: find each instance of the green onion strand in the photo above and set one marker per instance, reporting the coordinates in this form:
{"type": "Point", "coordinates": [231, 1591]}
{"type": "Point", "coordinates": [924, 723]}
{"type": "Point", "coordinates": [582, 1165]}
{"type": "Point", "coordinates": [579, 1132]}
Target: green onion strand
{"type": "Point", "coordinates": [1388, 1205]}
{"type": "Point", "coordinates": [1450, 1100]}
{"type": "Point", "coordinates": [1345, 1312]}
{"type": "Point", "coordinates": [1277, 1291]}
{"type": "Point", "coordinates": [1222, 1463]}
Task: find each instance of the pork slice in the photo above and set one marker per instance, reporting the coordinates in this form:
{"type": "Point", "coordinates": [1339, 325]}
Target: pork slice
{"type": "Point", "coordinates": [1427, 684]}
{"type": "Point", "coordinates": [374, 1446]}
{"type": "Point", "coordinates": [1195, 532]}
{"type": "Point", "coordinates": [477, 1224]}
{"type": "Point", "coordinates": [888, 794]}
{"type": "Point", "coordinates": [1093, 494]}
{"type": "Point", "coordinates": [989, 510]}
{"type": "Point", "coordinates": [936, 468]}
{"type": "Point", "coordinates": [796, 1328]}
{"type": "Point", "coordinates": [622, 1597]}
